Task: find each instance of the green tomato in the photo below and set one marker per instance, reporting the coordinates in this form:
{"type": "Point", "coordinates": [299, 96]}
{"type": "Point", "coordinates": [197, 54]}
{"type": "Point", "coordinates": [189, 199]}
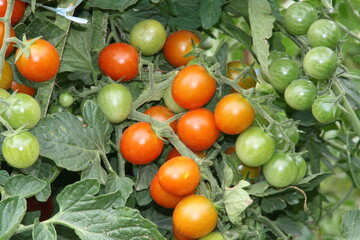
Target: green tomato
{"type": "Point", "coordinates": [324, 32]}
{"type": "Point", "coordinates": [170, 102]}
{"type": "Point", "coordinates": [212, 236]}
{"type": "Point", "coordinates": [320, 63]}
{"type": "Point", "coordinates": [24, 111]}
{"type": "Point", "coordinates": [291, 131]}
{"type": "Point", "coordinates": [4, 94]}
{"type": "Point", "coordinates": [149, 36]}
{"type": "Point", "coordinates": [115, 101]}
{"type": "Point", "coordinates": [274, 55]}
{"type": "Point", "coordinates": [66, 99]}
{"type": "Point", "coordinates": [280, 170]}
{"type": "Point", "coordinates": [300, 94]}
{"type": "Point", "coordinates": [301, 168]}
{"type": "Point", "coordinates": [298, 18]}
{"type": "Point", "coordinates": [325, 110]}
{"type": "Point", "coordinates": [21, 150]}
{"type": "Point", "coordinates": [254, 147]}
{"type": "Point", "coordinates": [56, 108]}
{"type": "Point", "coordinates": [282, 71]}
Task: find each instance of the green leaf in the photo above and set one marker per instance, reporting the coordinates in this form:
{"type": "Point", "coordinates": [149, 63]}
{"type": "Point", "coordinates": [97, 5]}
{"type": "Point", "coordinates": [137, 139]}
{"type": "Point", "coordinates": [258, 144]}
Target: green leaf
{"type": "Point", "coordinates": [123, 184]}
{"type": "Point", "coordinates": [350, 226]}
{"type": "Point", "coordinates": [236, 200]}
{"type": "Point", "coordinates": [261, 23]}
{"type": "Point", "coordinates": [43, 231]}
{"type": "Point", "coordinates": [143, 197]}
{"type": "Point", "coordinates": [95, 171]}
{"type": "Point", "coordinates": [288, 226]}
{"type": "Point", "coordinates": [187, 15]}
{"type": "Point", "coordinates": [210, 12]}
{"type": "Point", "coordinates": [12, 210]}
{"type": "Point", "coordinates": [221, 55]}
{"type": "Point", "coordinates": [100, 217]}
{"type": "Point", "coordinates": [4, 176]}
{"type": "Point", "coordinates": [145, 175]}
{"type": "Point", "coordinates": [237, 8]}
{"type": "Point", "coordinates": [24, 185]}
{"type": "Point", "coordinates": [111, 4]}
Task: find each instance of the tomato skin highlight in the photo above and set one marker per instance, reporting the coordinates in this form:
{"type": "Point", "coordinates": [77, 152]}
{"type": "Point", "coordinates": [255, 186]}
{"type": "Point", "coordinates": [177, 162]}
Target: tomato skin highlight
{"type": "Point", "coordinates": [197, 129]}
{"type": "Point", "coordinates": [195, 216]}
{"type": "Point", "coordinates": [42, 64]}
{"type": "Point", "coordinates": [193, 87]}
{"type": "Point", "coordinates": [10, 48]}
{"type": "Point", "coordinates": [233, 114]}
{"type": "Point", "coordinates": [177, 45]}
{"type": "Point", "coordinates": [139, 144]}
{"type": "Point", "coordinates": [17, 13]}
{"type": "Point", "coordinates": [162, 114]}
{"type": "Point", "coordinates": [119, 61]}
{"type": "Point", "coordinates": [20, 88]}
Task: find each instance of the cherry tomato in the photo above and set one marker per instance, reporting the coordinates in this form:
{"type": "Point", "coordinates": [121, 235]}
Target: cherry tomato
{"type": "Point", "coordinates": [300, 94]}
{"type": "Point", "coordinates": [162, 114]}
{"type": "Point", "coordinates": [149, 36]}
{"type": "Point", "coordinates": [10, 48]}
{"type": "Point", "coordinates": [56, 108]}
{"type": "Point", "coordinates": [162, 197]}
{"type": "Point", "coordinates": [179, 176]}
{"type": "Point", "coordinates": [234, 69]}
{"type": "Point", "coordinates": [170, 102]}
{"type": "Point", "coordinates": [197, 129]}
{"type": "Point", "coordinates": [299, 17]}
{"type": "Point", "coordinates": [282, 71]}
{"type": "Point", "coordinates": [46, 208]}
{"type": "Point", "coordinates": [177, 45]}
{"type": "Point", "coordinates": [213, 236]}
{"type": "Point", "coordinates": [17, 13]}
{"type": "Point", "coordinates": [234, 114]}
{"type": "Point", "coordinates": [280, 170]}
{"type": "Point", "coordinates": [20, 88]}
{"type": "Point", "coordinates": [193, 87]}
{"type": "Point", "coordinates": [301, 168]}
{"type": "Point", "coordinates": [324, 32]}
{"type": "Point", "coordinates": [139, 144]}
{"type": "Point", "coordinates": [290, 130]}
{"type": "Point", "coordinates": [21, 150]}
{"type": "Point", "coordinates": [325, 110]}
{"type": "Point", "coordinates": [195, 216]}
{"type": "Point", "coordinates": [26, 110]}
{"type": "Point", "coordinates": [6, 76]}
{"type": "Point", "coordinates": [246, 171]}
{"type": "Point", "coordinates": [66, 99]}
{"type": "Point", "coordinates": [115, 101]}
{"type": "Point", "coordinates": [320, 63]}
{"type": "Point", "coordinates": [254, 147]}
{"type": "Point", "coordinates": [42, 64]}
{"type": "Point", "coordinates": [119, 61]}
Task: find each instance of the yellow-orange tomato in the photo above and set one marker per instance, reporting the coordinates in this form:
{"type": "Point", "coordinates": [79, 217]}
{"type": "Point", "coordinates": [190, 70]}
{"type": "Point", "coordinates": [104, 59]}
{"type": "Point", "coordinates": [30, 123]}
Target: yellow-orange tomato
{"type": "Point", "coordinates": [233, 71]}
{"type": "Point", "coordinates": [6, 76]}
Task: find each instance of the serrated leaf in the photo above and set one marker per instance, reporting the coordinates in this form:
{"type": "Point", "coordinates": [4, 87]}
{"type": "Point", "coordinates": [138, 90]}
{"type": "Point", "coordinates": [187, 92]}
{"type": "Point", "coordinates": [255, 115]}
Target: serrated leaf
{"type": "Point", "coordinates": [24, 185]}
{"type": "Point", "coordinates": [236, 200]}
{"type": "Point", "coordinates": [43, 231]}
{"type": "Point", "coordinates": [145, 175]}
{"type": "Point", "coordinates": [12, 210]}
{"type": "Point", "coordinates": [123, 184]}
{"type": "Point", "coordinates": [261, 23]}
{"type": "Point", "coordinates": [350, 225]}
{"type": "Point", "coordinates": [95, 171]}
{"type": "Point", "coordinates": [210, 12]}
{"type": "Point", "coordinates": [4, 176]}
{"type": "Point", "coordinates": [221, 56]}
{"type": "Point", "coordinates": [100, 217]}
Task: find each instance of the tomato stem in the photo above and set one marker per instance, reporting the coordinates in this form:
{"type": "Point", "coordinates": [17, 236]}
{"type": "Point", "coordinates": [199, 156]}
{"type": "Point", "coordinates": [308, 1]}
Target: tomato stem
{"type": "Point", "coordinates": [121, 160]}
{"type": "Point", "coordinates": [271, 226]}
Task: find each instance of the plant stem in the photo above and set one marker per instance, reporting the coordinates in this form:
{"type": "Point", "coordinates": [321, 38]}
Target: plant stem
{"type": "Point", "coordinates": [272, 227]}
{"type": "Point", "coordinates": [121, 161]}
{"type": "Point", "coordinates": [350, 76]}
{"type": "Point", "coordinates": [24, 228]}
{"type": "Point", "coordinates": [107, 163]}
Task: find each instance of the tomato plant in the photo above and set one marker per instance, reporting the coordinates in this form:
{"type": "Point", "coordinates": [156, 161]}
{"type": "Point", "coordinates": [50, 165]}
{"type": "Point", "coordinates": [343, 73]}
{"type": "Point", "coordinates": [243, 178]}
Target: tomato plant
{"type": "Point", "coordinates": [324, 109]}
{"type": "Point", "coordinates": [324, 32]}
{"type": "Point", "coordinates": [17, 12]}
{"type": "Point", "coordinates": [300, 94]}
{"type": "Point", "coordinates": [299, 17]}
{"type": "Point", "coordinates": [320, 63]}
{"type": "Point", "coordinates": [21, 88]}
{"type": "Point", "coordinates": [234, 70]}
{"type": "Point", "coordinates": [282, 71]}
{"type": "Point", "coordinates": [6, 76]}
{"type": "Point", "coordinates": [10, 48]}
{"type": "Point", "coordinates": [162, 114]}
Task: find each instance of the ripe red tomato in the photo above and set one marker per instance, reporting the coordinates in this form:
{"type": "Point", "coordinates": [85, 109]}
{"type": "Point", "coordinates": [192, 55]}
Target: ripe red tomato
{"type": "Point", "coordinates": [162, 197]}
{"type": "Point", "coordinates": [42, 64]}
{"type": "Point", "coordinates": [197, 129]}
{"type": "Point", "coordinates": [233, 71]}
{"type": "Point", "coordinates": [179, 176]}
{"type": "Point", "coordinates": [177, 45]}
{"type": "Point", "coordinates": [162, 114]}
{"type": "Point", "coordinates": [195, 216]}
{"type": "Point", "coordinates": [12, 34]}
{"type": "Point", "coordinates": [17, 13]}
{"type": "Point", "coordinates": [234, 114]}
{"type": "Point", "coordinates": [46, 208]}
{"type": "Point", "coordinates": [6, 76]}
{"type": "Point", "coordinates": [193, 87]}
{"type": "Point", "coordinates": [139, 144]}
{"type": "Point", "coordinates": [20, 88]}
{"type": "Point", "coordinates": [119, 61]}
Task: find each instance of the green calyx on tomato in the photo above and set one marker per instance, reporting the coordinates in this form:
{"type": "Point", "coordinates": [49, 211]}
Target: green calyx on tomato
{"type": "Point", "coordinates": [320, 63]}
{"type": "Point", "coordinates": [299, 17]}
{"type": "Point", "coordinates": [300, 94]}
{"type": "Point", "coordinates": [282, 71]}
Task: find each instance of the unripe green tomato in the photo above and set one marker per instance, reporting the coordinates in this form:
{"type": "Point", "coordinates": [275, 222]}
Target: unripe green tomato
{"type": "Point", "coordinates": [115, 101]}
{"type": "Point", "coordinates": [298, 18]}
{"type": "Point", "coordinates": [324, 32]}
{"type": "Point", "coordinates": [282, 71]}
{"type": "Point", "coordinates": [325, 110]}
{"type": "Point", "coordinates": [149, 36]}
{"type": "Point", "coordinates": [291, 132]}
{"type": "Point", "coordinates": [301, 168]}
{"type": "Point", "coordinates": [320, 63]}
{"type": "Point", "coordinates": [170, 102]}
{"type": "Point", "coordinates": [57, 108]}
{"type": "Point", "coordinates": [66, 99]}
{"type": "Point", "coordinates": [300, 94]}
{"type": "Point", "coordinates": [212, 236]}
{"type": "Point", "coordinates": [21, 150]}
{"type": "Point", "coordinates": [280, 170]}
{"type": "Point", "coordinates": [4, 94]}
{"type": "Point", "coordinates": [274, 55]}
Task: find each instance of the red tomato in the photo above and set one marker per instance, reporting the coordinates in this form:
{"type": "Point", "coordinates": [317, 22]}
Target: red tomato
{"type": "Point", "coordinates": [20, 88]}
{"type": "Point", "coordinates": [162, 197]}
{"type": "Point", "coordinates": [177, 45]}
{"type": "Point", "coordinates": [234, 114]}
{"type": "Point", "coordinates": [162, 114]}
{"type": "Point", "coordinates": [139, 144]}
{"type": "Point", "coordinates": [2, 33]}
{"type": "Point", "coordinates": [197, 129]}
{"type": "Point", "coordinates": [179, 176]}
{"type": "Point", "coordinates": [119, 61]}
{"type": "Point", "coordinates": [17, 13]}
{"type": "Point", "coordinates": [195, 216]}
{"type": "Point", "coordinates": [42, 64]}
{"type": "Point", "coordinates": [46, 208]}
{"type": "Point", "coordinates": [193, 87]}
